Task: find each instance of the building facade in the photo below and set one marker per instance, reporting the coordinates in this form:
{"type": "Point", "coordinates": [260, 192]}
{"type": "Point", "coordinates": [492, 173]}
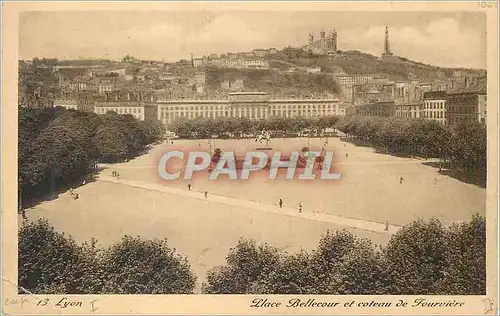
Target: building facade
{"type": "Point", "coordinates": [382, 108]}
{"type": "Point", "coordinates": [466, 107]}
{"type": "Point", "coordinates": [68, 104]}
{"type": "Point", "coordinates": [346, 84]}
{"type": "Point", "coordinates": [362, 79]}
{"type": "Point", "coordinates": [434, 106]}
{"type": "Point", "coordinates": [139, 110]}
{"type": "Point", "coordinates": [260, 52]}
{"type": "Point", "coordinates": [252, 105]}
{"type": "Point", "coordinates": [85, 104]}
{"type": "Point", "coordinates": [408, 110]}
{"type": "Point", "coordinates": [104, 86]}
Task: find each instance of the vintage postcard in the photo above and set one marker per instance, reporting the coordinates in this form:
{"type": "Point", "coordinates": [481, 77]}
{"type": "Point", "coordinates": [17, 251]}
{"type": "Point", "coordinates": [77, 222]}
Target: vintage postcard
{"type": "Point", "coordinates": [250, 158]}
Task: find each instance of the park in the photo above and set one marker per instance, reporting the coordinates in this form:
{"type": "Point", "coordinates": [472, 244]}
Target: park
{"type": "Point", "coordinates": [203, 219]}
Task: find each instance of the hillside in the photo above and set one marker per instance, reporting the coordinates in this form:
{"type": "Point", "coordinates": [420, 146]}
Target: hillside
{"type": "Point", "coordinates": [272, 81]}
{"type": "Point", "coordinates": [355, 62]}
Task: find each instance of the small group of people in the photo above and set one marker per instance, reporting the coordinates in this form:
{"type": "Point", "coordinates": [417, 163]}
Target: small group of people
{"type": "Point", "coordinates": [280, 204]}
{"type": "Point", "coordinates": [204, 193]}
{"type": "Point", "coordinates": [116, 174]}
{"type": "Point", "coordinates": [74, 194]}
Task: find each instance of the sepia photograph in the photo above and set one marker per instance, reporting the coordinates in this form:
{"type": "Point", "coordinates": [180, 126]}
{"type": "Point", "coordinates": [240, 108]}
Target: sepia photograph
{"type": "Point", "coordinates": [315, 154]}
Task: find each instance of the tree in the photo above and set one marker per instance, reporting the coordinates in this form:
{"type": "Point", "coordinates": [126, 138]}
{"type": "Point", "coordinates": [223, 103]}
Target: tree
{"type": "Point", "coordinates": [248, 265]}
{"type": "Point", "coordinates": [346, 264]}
{"type": "Point", "coordinates": [52, 263]}
{"type": "Point", "coordinates": [38, 85]}
{"type": "Point", "coordinates": [153, 130]}
{"type": "Point", "coordinates": [60, 154]}
{"type": "Point", "coordinates": [137, 266]}
{"type": "Point", "coordinates": [112, 144]}
{"type": "Point", "coordinates": [415, 258]}
{"type": "Point", "coordinates": [469, 148]}
{"type": "Point", "coordinates": [423, 258]}
{"type": "Point", "coordinates": [466, 258]}
{"type": "Point", "coordinates": [293, 275]}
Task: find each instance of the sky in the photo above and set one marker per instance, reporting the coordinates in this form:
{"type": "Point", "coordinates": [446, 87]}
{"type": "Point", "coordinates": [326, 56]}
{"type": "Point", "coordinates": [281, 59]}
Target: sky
{"type": "Point", "coordinates": [448, 39]}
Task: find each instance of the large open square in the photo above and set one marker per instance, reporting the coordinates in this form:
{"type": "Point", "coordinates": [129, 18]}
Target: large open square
{"type": "Point", "coordinates": [368, 195]}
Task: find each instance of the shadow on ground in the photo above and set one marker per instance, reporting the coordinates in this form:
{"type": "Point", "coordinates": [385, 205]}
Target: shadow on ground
{"type": "Point", "coordinates": [378, 149]}
{"type": "Point", "coordinates": [460, 175]}
{"type": "Point", "coordinates": [32, 201]}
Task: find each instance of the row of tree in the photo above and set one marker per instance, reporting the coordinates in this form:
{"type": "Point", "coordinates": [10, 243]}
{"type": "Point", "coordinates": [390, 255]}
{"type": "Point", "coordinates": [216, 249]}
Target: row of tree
{"type": "Point", "coordinates": [58, 147]}
{"type": "Point", "coordinates": [423, 258]}
{"type": "Point", "coordinates": [38, 86]}
{"type": "Point", "coordinates": [52, 263]}
{"type": "Point", "coordinates": [464, 146]}
{"type": "Point", "coordinates": [205, 127]}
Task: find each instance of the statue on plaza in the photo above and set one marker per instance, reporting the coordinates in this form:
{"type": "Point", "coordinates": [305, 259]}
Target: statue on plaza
{"type": "Point", "coordinates": [264, 135]}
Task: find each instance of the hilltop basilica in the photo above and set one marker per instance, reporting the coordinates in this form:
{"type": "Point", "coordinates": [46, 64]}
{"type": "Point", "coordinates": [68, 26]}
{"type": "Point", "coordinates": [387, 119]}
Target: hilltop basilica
{"type": "Point", "coordinates": [324, 44]}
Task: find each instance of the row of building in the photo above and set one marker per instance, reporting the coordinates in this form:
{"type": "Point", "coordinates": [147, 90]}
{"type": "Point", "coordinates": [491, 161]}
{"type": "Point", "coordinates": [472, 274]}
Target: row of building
{"type": "Point", "coordinates": [252, 105]}
{"type": "Point", "coordinates": [364, 88]}
{"type": "Point", "coordinates": [446, 107]}
{"type": "Point", "coordinates": [232, 61]}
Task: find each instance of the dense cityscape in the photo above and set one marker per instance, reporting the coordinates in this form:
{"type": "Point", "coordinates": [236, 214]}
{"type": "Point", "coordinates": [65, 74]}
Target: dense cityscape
{"type": "Point", "coordinates": [407, 216]}
{"type": "Point", "coordinates": [308, 81]}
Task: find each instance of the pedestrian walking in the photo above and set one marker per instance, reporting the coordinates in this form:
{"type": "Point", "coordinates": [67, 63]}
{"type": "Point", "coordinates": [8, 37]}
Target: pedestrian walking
{"type": "Point", "coordinates": [189, 187]}
{"type": "Point", "coordinates": [206, 195]}
{"type": "Point", "coordinates": [387, 226]}
{"type": "Point", "coordinates": [280, 203]}
{"type": "Point", "coordinates": [435, 180]}
{"type": "Point", "coordinates": [117, 175]}
{"type": "Point", "coordinates": [23, 213]}
{"type": "Point", "coordinates": [346, 155]}
{"type": "Point", "coordinates": [401, 180]}
{"type": "Point", "coordinates": [300, 207]}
